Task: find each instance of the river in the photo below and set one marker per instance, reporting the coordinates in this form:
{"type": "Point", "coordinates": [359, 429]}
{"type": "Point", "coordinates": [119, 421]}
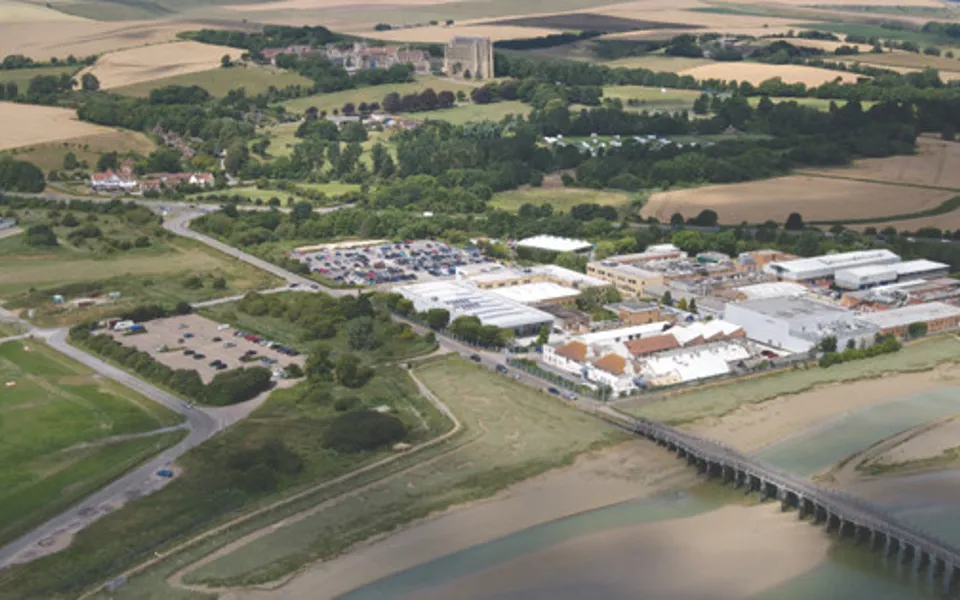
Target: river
{"type": "Point", "coordinates": [585, 556]}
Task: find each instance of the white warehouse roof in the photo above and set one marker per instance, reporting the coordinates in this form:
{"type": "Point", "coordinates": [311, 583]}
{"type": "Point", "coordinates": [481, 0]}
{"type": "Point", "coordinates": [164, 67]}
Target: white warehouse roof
{"type": "Point", "coordinates": [919, 267]}
{"type": "Point", "coordinates": [555, 244]}
{"type": "Point", "coordinates": [914, 313]}
{"type": "Point", "coordinates": [776, 289]}
{"type": "Point", "coordinates": [534, 293]}
{"type": "Point", "coordinates": [828, 264]}
{"type": "Point", "coordinates": [461, 299]}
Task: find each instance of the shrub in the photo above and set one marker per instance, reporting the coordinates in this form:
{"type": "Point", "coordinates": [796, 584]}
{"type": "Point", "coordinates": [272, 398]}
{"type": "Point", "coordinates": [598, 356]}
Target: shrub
{"type": "Point", "coordinates": [363, 430]}
{"type": "Point", "coordinates": [236, 386]}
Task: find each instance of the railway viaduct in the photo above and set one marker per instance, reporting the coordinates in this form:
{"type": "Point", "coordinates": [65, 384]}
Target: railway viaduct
{"type": "Point", "coordinates": [842, 514]}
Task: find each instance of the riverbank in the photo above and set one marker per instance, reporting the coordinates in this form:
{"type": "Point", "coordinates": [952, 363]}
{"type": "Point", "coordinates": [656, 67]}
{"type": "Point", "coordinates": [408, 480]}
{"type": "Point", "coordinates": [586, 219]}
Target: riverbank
{"type": "Point", "coordinates": [628, 471]}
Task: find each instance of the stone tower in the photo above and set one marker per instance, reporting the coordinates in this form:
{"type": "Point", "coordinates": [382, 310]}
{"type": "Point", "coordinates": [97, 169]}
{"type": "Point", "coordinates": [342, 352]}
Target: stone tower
{"type": "Point", "coordinates": [468, 54]}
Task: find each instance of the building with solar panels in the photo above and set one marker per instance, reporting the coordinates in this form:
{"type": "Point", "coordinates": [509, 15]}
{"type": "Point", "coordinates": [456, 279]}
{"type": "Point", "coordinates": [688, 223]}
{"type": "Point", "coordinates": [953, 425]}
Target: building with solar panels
{"type": "Point", "coordinates": [462, 299]}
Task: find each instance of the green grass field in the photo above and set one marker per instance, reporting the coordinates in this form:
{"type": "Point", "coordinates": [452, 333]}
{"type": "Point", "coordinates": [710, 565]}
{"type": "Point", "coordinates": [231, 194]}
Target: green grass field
{"type": "Point", "coordinates": [867, 30]}
{"type": "Point", "coordinates": [561, 199]}
{"type": "Point", "coordinates": [720, 399]}
{"type": "Point", "coordinates": [30, 276]}
{"type": "Point", "coordinates": [466, 113]}
{"type": "Point", "coordinates": [496, 411]}
{"type": "Point", "coordinates": [57, 419]}
{"type": "Point", "coordinates": [22, 77]}
{"type": "Point", "coordinates": [218, 82]}
{"type": "Point", "coordinates": [653, 98]}
{"type": "Point", "coordinates": [375, 93]}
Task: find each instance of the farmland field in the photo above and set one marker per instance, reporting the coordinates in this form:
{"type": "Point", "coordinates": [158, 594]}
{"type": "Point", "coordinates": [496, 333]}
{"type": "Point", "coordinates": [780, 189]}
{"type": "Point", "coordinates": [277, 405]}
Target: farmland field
{"type": "Point", "coordinates": [218, 82]}
{"type": "Point", "coordinates": [561, 199]}
{"type": "Point", "coordinates": [29, 276]}
{"type": "Point", "coordinates": [148, 63]}
{"type": "Point", "coordinates": [58, 421]}
{"type": "Point", "coordinates": [909, 61]}
{"type": "Point", "coordinates": [659, 62]}
{"type": "Point", "coordinates": [816, 198]}
{"type": "Point", "coordinates": [87, 148]}
{"type": "Point", "coordinates": [42, 39]}
{"type": "Point", "coordinates": [26, 124]}
{"type": "Point", "coordinates": [466, 113]}
{"type": "Point", "coordinates": [589, 21]}
{"type": "Point", "coordinates": [22, 77]}
{"type": "Point", "coordinates": [496, 412]}
{"type": "Point", "coordinates": [376, 93]}
{"type": "Point", "coordinates": [442, 34]}
{"type": "Point", "coordinates": [933, 165]}
{"type": "Point", "coordinates": [757, 73]}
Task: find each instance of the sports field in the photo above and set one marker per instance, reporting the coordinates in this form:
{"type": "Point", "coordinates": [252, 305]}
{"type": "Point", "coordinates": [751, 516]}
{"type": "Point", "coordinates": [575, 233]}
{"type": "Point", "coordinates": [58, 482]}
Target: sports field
{"type": "Point", "coordinates": [816, 198]}
{"type": "Point", "coordinates": [60, 424]}
{"type": "Point", "coordinates": [651, 98]}
{"type": "Point", "coordinates": [466, 113]}
{"type": "Point", "coordinates": [375, 93]}
{"type": "Point", "coordinates": [254, 79]}
{"type": "Point", "coordinates": [561, 199]}
{"type": "Point", "coordinates": [514, 433]}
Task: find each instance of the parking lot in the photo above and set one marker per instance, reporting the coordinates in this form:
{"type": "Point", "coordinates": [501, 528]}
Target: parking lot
{"type": "Point", "coordinates": [194, 342]}
{"type": "Point", "coordinates": [412, 260]}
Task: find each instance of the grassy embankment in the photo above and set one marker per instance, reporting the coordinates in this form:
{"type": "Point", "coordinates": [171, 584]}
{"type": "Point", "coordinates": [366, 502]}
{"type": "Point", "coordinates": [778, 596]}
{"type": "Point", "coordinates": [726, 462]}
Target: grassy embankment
{"type": "Point", "coordinates": [29, 276]}
{"type": "Point", "coordinates": [716, 400]}
{"type": "Point", "coordinates": [498, 414]}
{"type": "Point", "coordinates": [58, 419]}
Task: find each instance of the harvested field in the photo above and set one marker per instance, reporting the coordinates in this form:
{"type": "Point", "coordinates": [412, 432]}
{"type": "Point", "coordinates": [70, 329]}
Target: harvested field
{"type": "Point", "coordinates": [43, 39]}
{"type": "Point", "coordinates": [589, 21]}
{"type": "Point", "coordinates": [908, 60]}
{"type": "Point", "coordinates": [442, 34]}
{"type": "Point", "coordinates": [23, 12]}
{"type": "Point", "coordinates": [933, 165]}
{"type": "Point", "coordinates": [757, 73]}
{"type": "Point", "coordinates": [465, 113]}
{"type": "Point", "coordinates": [828, 46]}
{"type": "Point", "coordinates": [149, 63]}
{"type": "Point", "coordinates": [217, 81]}
{"type": "Point", "coordinates": [816, 198]}
{"type": "Point", "coordinates": [25, 124]}
{"type": "Point", "coordinates": [561, 199]}
{"type": "Point", "coordinates": [87, 148]}
{"type": "Point", "coordinates": [658, 62]}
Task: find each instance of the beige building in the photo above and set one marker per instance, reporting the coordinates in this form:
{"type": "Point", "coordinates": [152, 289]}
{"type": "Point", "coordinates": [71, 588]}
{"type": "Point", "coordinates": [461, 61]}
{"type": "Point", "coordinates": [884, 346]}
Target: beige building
{"type": "Point", "coordinates": [630, 279]}
{"type": "Point", "coordinates": [468, 55]}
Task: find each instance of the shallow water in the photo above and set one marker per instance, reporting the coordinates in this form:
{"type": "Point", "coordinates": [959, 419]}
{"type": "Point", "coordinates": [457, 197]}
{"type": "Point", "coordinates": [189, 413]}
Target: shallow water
{"type": "Point", "coordinates": [850, 573]}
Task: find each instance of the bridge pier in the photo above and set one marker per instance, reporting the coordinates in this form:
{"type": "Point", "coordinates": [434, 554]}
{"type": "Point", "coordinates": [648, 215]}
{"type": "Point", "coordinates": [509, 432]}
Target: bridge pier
{"type": "Point", "coordinates": [834, 523]}
{"type": "Point", "coordinates": [846, 528]}
{"type": "Point", "coordinates": [862, 534]}
{"type": "Point", "coordinates": [820, 514]}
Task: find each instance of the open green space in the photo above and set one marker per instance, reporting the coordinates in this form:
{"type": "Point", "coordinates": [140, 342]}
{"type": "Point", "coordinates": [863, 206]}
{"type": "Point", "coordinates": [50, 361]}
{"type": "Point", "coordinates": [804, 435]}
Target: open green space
{"type": "Point", "coordinates": [167, 270]}
{"type": "Point", "coordinates": [496, 412]}
{"type": "Point", "coordinates": [57, 420]}
{"type": "Point", "coordinates": [253, 79]}
{"type": "Point", "coordinates": [719, 399]}
{"type": "Point", "coordinates": [466, 113]}
{"type": "Point", "coordinates": [374, 93]}
{"type": "Point", "coordinates": [651, 98]}
{"type": "Point", "coordinates": [22, 77]}
{"type": "Point", "coordinates": [561, 199]}
{"type": "Point", "coordinates": [868, 30]}
{"type": "Point", "coordinates": [279, 450]}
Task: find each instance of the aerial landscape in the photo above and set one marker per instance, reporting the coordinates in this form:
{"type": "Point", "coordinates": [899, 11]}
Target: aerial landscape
{"type": "Point", "coordinates": [474, 299]}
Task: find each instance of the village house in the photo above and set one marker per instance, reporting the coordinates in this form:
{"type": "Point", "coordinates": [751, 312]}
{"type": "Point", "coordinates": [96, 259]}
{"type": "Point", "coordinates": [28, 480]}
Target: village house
{"type": "Point", "coordinates": [122, 180]}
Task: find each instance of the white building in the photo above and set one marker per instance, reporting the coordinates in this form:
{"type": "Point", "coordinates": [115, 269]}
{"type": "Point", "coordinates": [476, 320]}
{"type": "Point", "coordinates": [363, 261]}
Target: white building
{"type": "Point", "coordinates": [552, 243]}
{"type": "Point", "coordinates": [464, 300]}
{"type": "Point", "coordinates": [824, 267]}
{"type": "Point", "coordinates": [774, 289]}
{"type": "Point", "coordinates": [873, 275]}
{"type": "Point", "coordinates": [797, 324]}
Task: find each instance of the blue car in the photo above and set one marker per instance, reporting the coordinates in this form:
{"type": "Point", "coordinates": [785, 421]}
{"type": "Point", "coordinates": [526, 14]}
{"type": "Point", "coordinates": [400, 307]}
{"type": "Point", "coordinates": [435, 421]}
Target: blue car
{"type": "Point", "coordinates": [553, 391]}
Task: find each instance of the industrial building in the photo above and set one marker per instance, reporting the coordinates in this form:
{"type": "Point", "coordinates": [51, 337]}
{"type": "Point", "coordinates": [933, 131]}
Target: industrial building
{"type": "Point", "coordinates": [773, 289]}
{"type": "Point", "coordinates": [629, 279]}
{"type": "Point", "coordinates": [650, 355]}
{"type": "Point", "coordinates": [914, 291]}
{"type": "Point", "coordinates": [634, 312]}
{"type": "Point", "coordinates": [938, 316]}
{"type": "Point", "coordinates": [826, 266]}
{"type": "Point", "coordinates": [859, 278]}
{"type": "Point", "coordinates": [495, 275]}
{"type": "Point", "coordinates": [552, 243]}
{"type": "Point", "coordinates": [462, 299]}
{"type": "Point", "coordinates": [796, 325]}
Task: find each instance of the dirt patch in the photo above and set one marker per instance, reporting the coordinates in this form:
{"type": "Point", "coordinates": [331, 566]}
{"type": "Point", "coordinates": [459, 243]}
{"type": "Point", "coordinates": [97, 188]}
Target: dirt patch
{"type": "Point", "coordinates": [757, 73]}
{"type": "Point", "coordinates": [26, 124]}
{"type": "Point", "coordinates": [816, 198]}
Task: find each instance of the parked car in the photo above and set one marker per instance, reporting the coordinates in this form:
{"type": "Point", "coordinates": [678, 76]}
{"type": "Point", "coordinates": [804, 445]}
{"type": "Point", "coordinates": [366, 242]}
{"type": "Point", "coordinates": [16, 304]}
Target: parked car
{"type": "Point", "coordinates": [553, 391]}
{"type": "Point", "coordinates": [189, 352]}
{"type": "Point", "coordinates": [501, 369]}
{"type": "Point", "coordinates": [199, 356]}
{"type": "Point", "coordinates": [475, 358]}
